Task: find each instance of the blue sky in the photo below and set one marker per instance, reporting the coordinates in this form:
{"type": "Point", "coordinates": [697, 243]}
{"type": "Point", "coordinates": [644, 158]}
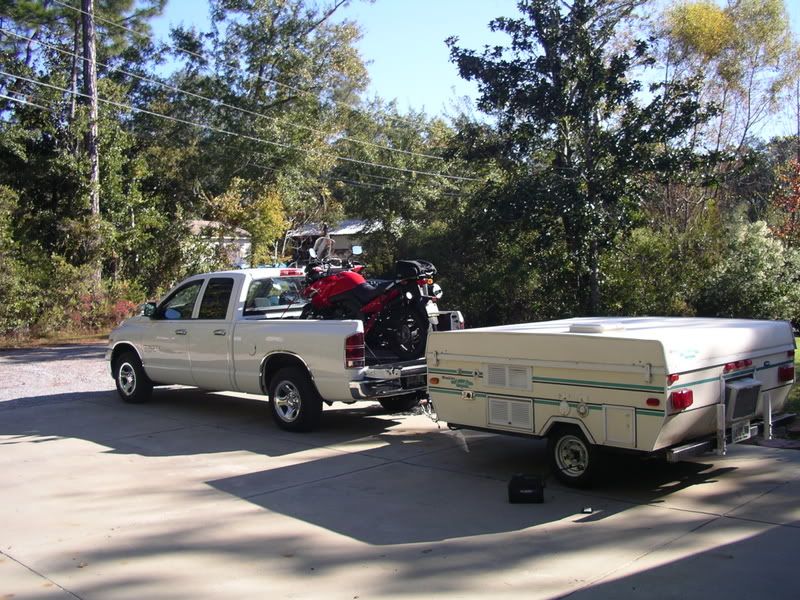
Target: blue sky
{"type": "Point", "coordinates": [404, 45]}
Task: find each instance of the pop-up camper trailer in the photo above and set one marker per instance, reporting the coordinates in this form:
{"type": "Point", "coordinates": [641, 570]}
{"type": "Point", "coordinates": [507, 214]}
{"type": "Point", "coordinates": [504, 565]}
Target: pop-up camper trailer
{"type": "Point", "coordinates": [677, 386]}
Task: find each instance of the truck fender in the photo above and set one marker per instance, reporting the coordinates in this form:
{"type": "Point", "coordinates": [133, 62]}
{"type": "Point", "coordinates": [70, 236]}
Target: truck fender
{"type": "Point", "coordinates": [276, 360]}
{"type": "Point", "coordinates": [119, 348]}
{"type": "Point", "coordinates": [553, 421]}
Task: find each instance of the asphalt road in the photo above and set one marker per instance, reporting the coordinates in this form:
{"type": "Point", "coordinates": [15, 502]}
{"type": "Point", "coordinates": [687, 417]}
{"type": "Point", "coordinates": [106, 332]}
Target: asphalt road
{"type": "Point", "coordinates": [198, 495]}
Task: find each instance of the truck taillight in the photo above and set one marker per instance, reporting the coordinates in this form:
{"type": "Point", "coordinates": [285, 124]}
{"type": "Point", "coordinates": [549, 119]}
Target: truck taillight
{"type": "Point", "coordinates": [786, 373]}
{"type": "Point", "coordinates": [354, 353]}
{"type": "Point", "coordinates": [681, 399]}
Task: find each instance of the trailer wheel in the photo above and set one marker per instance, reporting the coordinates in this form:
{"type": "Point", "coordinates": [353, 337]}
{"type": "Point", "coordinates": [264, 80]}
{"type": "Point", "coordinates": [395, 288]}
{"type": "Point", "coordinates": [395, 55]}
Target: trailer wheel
{"type": "Point", "coordinates": [573, 460]}
{"type": "Point", "coordinates": [296, 405]}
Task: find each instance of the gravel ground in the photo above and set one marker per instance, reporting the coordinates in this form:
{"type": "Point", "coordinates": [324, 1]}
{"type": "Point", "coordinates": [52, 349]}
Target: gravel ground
{"type": "Point", "coordinates": [53, 373]}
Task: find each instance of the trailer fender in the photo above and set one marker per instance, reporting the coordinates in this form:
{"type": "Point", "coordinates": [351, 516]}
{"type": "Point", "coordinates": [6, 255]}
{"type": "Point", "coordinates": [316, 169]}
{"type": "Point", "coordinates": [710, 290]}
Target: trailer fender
{"type": "Point", "coordinates": [553, 421]}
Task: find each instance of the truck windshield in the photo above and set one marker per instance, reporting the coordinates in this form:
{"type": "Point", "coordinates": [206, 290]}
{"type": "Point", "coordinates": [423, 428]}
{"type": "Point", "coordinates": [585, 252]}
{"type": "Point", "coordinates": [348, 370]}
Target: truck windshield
{"type": "Point", "coordinates": [275, 298]}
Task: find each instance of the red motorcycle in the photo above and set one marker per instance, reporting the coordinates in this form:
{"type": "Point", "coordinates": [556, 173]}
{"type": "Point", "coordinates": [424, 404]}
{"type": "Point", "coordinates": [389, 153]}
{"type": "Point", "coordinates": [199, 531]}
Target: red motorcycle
{"type": "Point", "coordinates": [394, 312]}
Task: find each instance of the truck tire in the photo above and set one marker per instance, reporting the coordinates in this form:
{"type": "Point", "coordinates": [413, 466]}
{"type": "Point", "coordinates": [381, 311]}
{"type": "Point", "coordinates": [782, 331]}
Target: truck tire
{"type": "Point", "coordinates": [398, 404]}
{"type": "Point", "coordinates": [296, 405]}
{"type": "Point", "coordinates": [573, 460]}
{"type": "Point", "coordinates": [133, 384]}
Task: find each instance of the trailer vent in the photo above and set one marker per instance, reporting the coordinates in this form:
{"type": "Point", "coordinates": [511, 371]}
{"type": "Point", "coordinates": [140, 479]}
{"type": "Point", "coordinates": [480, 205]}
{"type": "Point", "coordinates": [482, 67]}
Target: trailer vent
{"type": "Point", "coordinates": [517, 414]}
{"type": "Point", "coordinates": [497, 375]}
{"type": "Point", "coordinates": [515, 377]}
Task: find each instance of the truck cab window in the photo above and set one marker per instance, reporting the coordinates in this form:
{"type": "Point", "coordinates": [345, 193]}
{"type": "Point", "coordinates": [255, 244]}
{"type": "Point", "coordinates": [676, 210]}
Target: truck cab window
{"type": "Point", "coordinates": [180, 304]}
{"type": "Point", "coordinates": [216, 298]}
{"type": "Point", "coordinates": [273, 295]}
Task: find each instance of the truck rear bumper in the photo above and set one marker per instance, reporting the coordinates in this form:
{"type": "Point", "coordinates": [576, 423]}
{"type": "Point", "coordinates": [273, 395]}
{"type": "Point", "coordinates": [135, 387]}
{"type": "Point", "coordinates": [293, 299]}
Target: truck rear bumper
{"type": "Point", "coordinates": [390, 380]}
{"type": "Point", "coordinates": [709, 444]}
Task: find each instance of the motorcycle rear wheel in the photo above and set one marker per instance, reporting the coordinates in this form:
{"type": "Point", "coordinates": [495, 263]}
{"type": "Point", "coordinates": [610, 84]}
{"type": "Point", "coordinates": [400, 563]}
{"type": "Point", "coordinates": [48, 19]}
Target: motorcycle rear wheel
{"type": "Point", "coordinates": [407, 333]}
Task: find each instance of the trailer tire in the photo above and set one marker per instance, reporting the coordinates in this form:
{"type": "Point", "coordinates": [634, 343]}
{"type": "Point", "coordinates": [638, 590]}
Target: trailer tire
{"type": "Point", "coordinates": [399, 404]}
{"type": "Point", "coordinates": [294, 401]}
{"type": "Point", "coordinates": [573, 460]}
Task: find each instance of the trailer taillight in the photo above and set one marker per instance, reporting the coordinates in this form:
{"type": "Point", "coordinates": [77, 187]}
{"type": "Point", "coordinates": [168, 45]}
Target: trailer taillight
{"type": "Point", "coordinates": [354, 353]}
{"type": "Point", "coordinates": [739, 364]}
{"type": "Point", "coordinates": [681, 399]}
{"type": "Point", "coordinates": [672, 378]}
{"type": "Point", "coordinates": [786, 373]}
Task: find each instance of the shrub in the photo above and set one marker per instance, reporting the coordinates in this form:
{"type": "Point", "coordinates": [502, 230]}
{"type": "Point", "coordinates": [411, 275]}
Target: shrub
{"type": "Point", "coordinates": [756, 277]}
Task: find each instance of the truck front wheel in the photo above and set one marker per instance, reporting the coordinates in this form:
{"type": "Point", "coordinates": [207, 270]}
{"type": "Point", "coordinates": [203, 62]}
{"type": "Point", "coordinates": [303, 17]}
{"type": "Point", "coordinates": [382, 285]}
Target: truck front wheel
{"type": "Point", "coordinates": [133, 384]}
{"type": "Point", "coordinates": [573, 460]}
{"type": "Point", "coordinates": [295, 403]}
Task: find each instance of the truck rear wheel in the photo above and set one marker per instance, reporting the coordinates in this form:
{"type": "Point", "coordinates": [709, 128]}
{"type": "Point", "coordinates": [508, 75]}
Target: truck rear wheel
{"type": "Point", "coordinates": [573, 460]}
{"type": "Point", "coordinates": [295, 402]}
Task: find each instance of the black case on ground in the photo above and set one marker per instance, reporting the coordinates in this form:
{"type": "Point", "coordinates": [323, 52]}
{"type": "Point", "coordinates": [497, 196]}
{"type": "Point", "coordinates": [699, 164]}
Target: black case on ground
{"type": "Point", "coordinates": [526, 489]}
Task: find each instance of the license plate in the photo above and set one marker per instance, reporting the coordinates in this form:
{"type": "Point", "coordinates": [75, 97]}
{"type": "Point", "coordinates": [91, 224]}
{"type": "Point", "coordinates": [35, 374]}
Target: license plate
{"type": "Point", "coordinates": [740, 431]}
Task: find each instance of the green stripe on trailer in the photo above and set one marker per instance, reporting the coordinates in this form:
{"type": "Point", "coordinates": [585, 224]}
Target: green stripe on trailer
{"type": "Point", "coordinates": [601, 384]}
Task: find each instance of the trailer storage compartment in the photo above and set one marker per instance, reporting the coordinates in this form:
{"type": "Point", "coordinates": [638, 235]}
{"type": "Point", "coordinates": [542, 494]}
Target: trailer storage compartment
{"type": "Point", "coordinates": [650, 384]}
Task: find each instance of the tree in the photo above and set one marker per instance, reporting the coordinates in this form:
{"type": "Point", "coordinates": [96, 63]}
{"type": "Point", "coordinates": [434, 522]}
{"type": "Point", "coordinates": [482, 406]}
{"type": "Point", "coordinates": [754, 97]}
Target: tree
{"type": "Point", "coordinates": [574, 127]}
{"type": "Point", "coordinates": [257, 209]}
{"type": "Point", "coordinates": [745, 54]}
{"type": "Point", "coordinates": [786, 205]}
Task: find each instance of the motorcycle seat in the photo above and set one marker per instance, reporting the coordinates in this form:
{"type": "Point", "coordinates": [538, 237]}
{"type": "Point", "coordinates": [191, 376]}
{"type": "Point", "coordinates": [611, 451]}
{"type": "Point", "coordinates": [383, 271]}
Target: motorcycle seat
{"type": "Point", "coordinates": [366, 293]}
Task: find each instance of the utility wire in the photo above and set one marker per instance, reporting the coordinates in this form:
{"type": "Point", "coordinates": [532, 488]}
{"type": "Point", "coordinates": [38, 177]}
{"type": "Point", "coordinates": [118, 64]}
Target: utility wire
{"type": "Point", "coordinates": [201, 57]}
{"type": "Point", "coordinates": [350, 182]}
{"type": "Point", "coordinates": [242, 135]}
{"type": "Point", "coordinates": [217, 102]}
{"type": "Point", "coordinates": [23, 101]}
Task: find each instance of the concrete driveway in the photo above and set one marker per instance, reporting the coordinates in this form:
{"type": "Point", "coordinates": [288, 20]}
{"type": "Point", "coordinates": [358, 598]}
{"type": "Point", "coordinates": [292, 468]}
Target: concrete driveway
{"type": "Point", "coordinates": [199, 495]}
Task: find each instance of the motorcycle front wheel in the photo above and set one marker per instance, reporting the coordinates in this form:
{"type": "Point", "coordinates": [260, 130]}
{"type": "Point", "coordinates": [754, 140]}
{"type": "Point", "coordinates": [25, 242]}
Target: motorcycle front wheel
{"type": "Point", "coordinates": [407, 333]}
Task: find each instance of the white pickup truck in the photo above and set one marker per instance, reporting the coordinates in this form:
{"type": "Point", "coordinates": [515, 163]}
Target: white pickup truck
{"type": "Point", "coordinates": [238, 331]}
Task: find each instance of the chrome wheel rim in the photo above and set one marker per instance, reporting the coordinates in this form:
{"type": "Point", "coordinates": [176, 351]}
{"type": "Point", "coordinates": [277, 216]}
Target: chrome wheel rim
{"type": "Point", "coordinates": [127, 378]}
{"type": "Point", "coordinates": [572, 456]}
{"type": "Point", "coordinates": [287, 401]}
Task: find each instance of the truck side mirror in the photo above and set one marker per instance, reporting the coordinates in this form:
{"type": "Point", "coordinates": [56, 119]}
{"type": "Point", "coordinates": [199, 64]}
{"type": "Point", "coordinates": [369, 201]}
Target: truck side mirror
{"type": "Point", "coordinates": [149, 309]}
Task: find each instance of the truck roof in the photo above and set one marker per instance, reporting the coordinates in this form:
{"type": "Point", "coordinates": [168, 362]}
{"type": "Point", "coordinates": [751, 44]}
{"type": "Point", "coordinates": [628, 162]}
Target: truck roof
{"type": "Point", "coordinates": [260, 272]}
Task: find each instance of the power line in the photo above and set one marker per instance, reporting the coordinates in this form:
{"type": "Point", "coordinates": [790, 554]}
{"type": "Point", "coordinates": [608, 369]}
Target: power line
{"type": "Point", "coordinates": [242, 135]}
{"type": "Point", "coordinates": [201, 57]}
{"type": "Point", "coordinates": [217, 102]}
{"type": "Point", "coordinates": [23, 101]}
{"type": "Point", "coordinates": [362, 184]}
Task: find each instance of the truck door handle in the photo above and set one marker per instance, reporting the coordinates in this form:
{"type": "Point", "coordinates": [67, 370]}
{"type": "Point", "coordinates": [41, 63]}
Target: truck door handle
{"type": "Point", "coordinates": [220, 332]}
{"type": "Point", "coordinates": [180, 332]}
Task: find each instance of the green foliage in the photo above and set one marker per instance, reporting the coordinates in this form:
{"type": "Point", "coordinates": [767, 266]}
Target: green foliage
{"type": "Point", "coordinates": [756, 277]}
{"type": "Point", "coordinates": [581, 181]}
{"type": "Point", "coordinates": [574, 127]}
{"type": "Point", "coordinates": [257, 209]}
{"type": "Point", "coordinates": [735, 270]}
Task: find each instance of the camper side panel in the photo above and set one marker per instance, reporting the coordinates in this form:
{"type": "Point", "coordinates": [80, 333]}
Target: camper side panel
{"type": "Point", "coordinates": [526, 383]}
